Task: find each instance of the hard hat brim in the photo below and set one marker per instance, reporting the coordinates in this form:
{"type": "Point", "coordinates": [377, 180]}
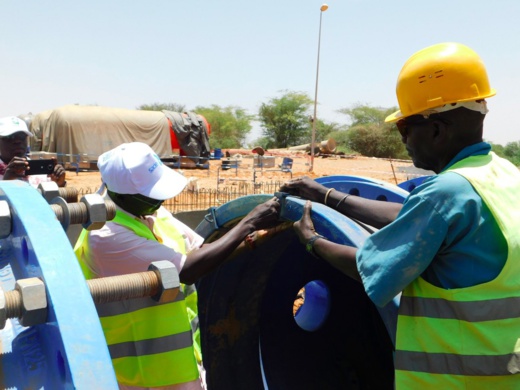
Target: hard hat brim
{"type": "Point", "coordinates": [394, 117]}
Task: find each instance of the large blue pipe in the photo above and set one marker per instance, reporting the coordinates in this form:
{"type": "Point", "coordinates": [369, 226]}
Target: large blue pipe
{"type": "Point", "coordinates": [250, 337]}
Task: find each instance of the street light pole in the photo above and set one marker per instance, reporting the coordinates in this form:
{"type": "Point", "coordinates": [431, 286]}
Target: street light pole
{"type": "Point", "coordinates": [323, 8]}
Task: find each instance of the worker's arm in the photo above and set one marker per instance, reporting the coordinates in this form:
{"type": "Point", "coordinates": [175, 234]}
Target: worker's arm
{"type": "Point", "coordinates": [341, 257]}
{"type": "Point", "coordinates": [371, 212]}
{"type": "Point", "coordinates": [208, 257]}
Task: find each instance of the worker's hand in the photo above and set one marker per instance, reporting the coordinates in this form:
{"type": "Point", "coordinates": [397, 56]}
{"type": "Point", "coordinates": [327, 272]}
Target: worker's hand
{"type": "Point", "coordinates": [305, 227]}
{"type": "Point", "coordinates": [306, 188]}
{"type": "Point", "coordinates": [264, 215]}
{"type": "Point", "coordinates": [59, 174]}
{"type": "Point", "coordinates": [16, 168]}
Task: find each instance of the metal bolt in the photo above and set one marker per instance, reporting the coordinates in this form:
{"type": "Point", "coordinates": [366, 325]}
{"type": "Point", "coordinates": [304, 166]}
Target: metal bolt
{"type": "Point", "coordinates": [96, 211]}
{"type": "Point", "coordinates": [168, 278]}
{"type": "Point", "coordinates": [70, 194]}
{"type": "Point", "coordinates": [92, 212]}
{"type": "Point", "coordinates": [34, 301]}
{"type": "Point", "coordinates": [158, 283]}
{"type": "Point", "coordinates": [50, 190]}
{"type": "Point", "coordinates": [28, 301]}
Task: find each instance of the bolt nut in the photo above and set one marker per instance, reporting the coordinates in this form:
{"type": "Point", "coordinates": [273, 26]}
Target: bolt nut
{"type": "Point", "coordinates": [49, 190]}
{"type": "Point", "coordinates": [5, 219]}
{"type": "Point", "coordinates": [96, 211]}
{"type": "Point", "coordinates": [62, 212]}
{"type": "Point", "coordinates": [3, 309]}
{"type": "Point", "coordinates": [168, 280]}
{"type": "Point", "coordinates": [34, 301]}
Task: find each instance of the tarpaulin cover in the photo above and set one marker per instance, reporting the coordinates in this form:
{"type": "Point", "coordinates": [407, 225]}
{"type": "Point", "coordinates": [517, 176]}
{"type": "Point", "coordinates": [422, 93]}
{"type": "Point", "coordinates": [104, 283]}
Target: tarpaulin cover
{"type": "Point", "coordinates": [36, 127]}
{"type": "Point", "coordinates": [90, 131]}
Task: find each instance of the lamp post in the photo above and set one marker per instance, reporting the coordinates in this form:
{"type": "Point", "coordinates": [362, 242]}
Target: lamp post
{"type": "Point", "coordinates": [323, 8]}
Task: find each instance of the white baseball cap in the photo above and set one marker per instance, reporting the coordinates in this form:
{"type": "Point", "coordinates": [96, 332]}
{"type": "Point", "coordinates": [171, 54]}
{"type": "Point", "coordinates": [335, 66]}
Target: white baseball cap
{"type": "Point", "coordinates": [134, 168]}
{"type": "Point", "coordinates": [12, 124]}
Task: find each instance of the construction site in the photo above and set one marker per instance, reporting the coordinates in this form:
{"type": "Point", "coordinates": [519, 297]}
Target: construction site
{"type": "Point", "coordinates": [222, 186]}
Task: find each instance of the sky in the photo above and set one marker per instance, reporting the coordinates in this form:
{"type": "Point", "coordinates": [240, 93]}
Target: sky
{"type": "Point", "coordinates": [244, 53]}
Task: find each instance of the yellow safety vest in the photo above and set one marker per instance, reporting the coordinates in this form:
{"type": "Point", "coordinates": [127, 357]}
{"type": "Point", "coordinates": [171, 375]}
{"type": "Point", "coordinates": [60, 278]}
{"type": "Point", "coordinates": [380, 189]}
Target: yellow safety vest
{"type": "Point", "coordinates": [468, 338]}
{"type": "Point", "coordinates": [150, 344]}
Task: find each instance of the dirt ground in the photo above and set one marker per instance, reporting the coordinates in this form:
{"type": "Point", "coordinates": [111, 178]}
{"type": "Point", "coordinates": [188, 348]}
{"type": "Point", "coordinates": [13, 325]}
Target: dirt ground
{"type": "Point", "coordinates": [391, 171]}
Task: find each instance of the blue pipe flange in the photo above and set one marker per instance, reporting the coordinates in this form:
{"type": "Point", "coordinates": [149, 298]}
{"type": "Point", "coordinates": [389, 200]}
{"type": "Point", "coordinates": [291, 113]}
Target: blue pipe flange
{"type": "Point", "coordinates": [68, 350]}
{"type": "Point", "coordinates": [326, 179]}
{"type": "Point", "coordinates": [376, 190]}
{"type": "Point", "coordinates": [249, 335]}
{"type": "Point", "coordinates": [409, 185]}
{"type": "Point", "coordinates": [228, 212]}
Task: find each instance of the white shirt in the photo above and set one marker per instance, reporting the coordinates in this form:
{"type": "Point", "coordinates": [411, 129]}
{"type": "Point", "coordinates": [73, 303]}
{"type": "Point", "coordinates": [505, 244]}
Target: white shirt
{"type": "Point", "coordinates": [117, 250]}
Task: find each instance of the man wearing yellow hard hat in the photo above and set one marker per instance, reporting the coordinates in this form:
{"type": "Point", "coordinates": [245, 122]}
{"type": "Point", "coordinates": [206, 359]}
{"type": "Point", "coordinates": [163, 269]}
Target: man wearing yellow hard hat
{"type": "Point", "coordinates": [453, 247]}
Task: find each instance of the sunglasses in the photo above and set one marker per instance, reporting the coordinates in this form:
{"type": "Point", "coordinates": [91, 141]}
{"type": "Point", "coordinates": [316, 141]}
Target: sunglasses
{"type": "Point", "coordinates": [418, 120]}
{"type": "Point", "coordinates": [19, 136]}
{"type": "Point", "coordinates": [414, 120]}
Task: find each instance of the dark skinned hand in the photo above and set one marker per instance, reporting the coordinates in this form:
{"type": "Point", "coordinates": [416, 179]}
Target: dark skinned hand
{"type": "Point", "coordinates": [305, 188]}
{"type": "Point", "coordinates": [264, 215]}
{"type": "Point", "coordinates": [59, 174]}
{"type": "Point", "coordinates": [305, 227]}
{"type": "Point", "coordinates": [16, 168]}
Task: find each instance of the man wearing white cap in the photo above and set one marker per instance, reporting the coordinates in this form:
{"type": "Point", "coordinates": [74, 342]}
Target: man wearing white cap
{"type": "Point", "coordinates": [13, 149]}
{"type": "Point", "coordinates": [453, 246]}
{"type": "Point", "coordinates": [151, 344]}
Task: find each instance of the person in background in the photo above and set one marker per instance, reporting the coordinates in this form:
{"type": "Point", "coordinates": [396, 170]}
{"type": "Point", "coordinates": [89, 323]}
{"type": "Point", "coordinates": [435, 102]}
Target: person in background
{"type": "Point", "coordinates": [151, 344]}
{"type": "Point", "coordinates": [453, 247]}
{"type": "Point", "coordinates": [13, 154]}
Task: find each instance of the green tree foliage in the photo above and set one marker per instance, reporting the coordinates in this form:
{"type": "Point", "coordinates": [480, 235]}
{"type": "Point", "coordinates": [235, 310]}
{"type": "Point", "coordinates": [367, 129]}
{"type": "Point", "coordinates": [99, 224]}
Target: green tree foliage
{"type": "Point", "coordinates": [163, 106]}
{"type": "Point", "coordinates": [342, 144]}
{"type": "Point", "coordinates": [229, 125]}
{"type": "Point", "coordinates": [510, 152]}
{"type": "Point", "coordinates": [369, 135]}
{"type": "Point", "coordinates": [326, 130]}
{"type": "Point", "coordinates": [498, 149]}
{"type": "Point", "coordinates": [372, 140]}
{"type": "Point", "coordinates": [285, 120]}
{"type": "Point", "coordinates": [264, 142]}
{"type": "Point", "coordinates": [364, 114]}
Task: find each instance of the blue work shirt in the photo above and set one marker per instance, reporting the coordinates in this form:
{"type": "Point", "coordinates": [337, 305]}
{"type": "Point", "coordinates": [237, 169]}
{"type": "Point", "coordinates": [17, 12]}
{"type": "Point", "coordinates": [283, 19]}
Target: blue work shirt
{"type": "Point", "coordinates": [444, 233]}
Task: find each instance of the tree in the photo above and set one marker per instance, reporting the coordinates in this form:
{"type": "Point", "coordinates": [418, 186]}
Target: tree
{"type": "Point", "coordinates": [512, 152]}
{"type": "Point", "coordinates": [229, 125]}
{"type": "Point", "coordinates": [175, 107]}
{"type": "Point", "coordinates": [363, 114]}
{"type": "Point", "coordinates": [372, 140]}
{"type": "Point", "coordinates": [285, 120]}
{"type": "Point", "coordinates": [498, 149]}
{"type": "Point", "coordinates": [370, 136]}
{"type": "Point", "coordinates": [326, 130]}
{"type": "Point", "coordinates": [342, 144]}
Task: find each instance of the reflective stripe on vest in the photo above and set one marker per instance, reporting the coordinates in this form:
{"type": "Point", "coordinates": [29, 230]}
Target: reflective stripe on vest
{"type": "Point", "coordinates": [169, 236]}
{"type": "Point", "coordinates": [468, 338]}
{"type": "Point", "coordinates": [151, 344]}
{"type": "Point", "coordinates": [149, 347]}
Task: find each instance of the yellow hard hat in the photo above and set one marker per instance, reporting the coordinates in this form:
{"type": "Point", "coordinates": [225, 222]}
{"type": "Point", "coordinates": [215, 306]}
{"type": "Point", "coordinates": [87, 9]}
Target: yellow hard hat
{"type": "Point", "coordinates": [438, 75]}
